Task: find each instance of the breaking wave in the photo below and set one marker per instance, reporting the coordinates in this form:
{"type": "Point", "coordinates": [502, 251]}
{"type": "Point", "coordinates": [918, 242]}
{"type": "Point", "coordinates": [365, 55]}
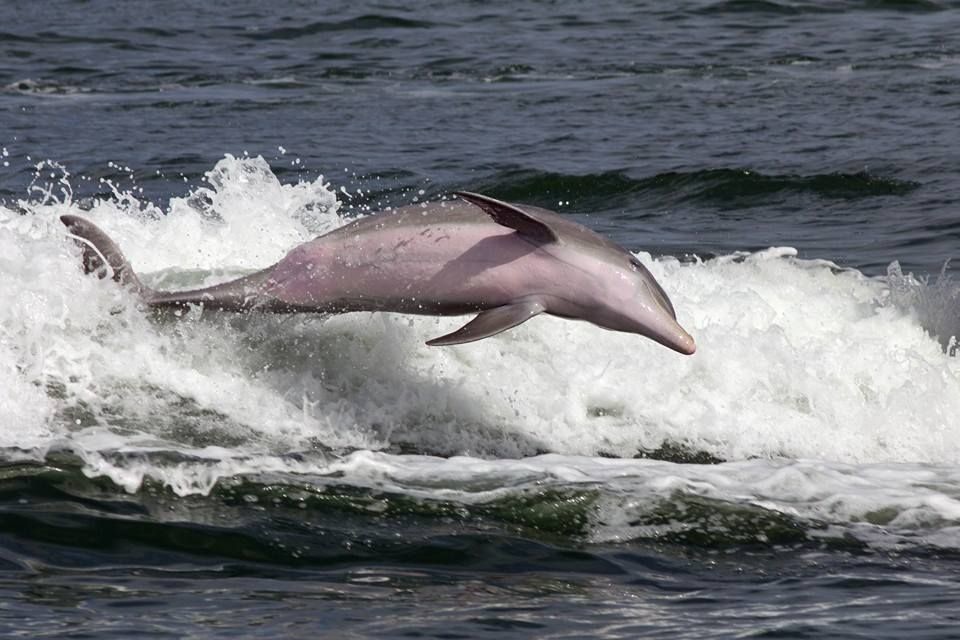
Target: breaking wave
{"type": "Point", "coordinates": [819, 397]}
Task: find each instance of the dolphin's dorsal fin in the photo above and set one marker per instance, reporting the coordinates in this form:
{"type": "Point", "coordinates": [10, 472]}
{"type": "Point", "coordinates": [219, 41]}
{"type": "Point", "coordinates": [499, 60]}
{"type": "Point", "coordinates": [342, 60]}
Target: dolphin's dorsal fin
{"type": "Point", "coordinates": [491, 322]}
{"type": "Point", "coordinates": [511, 216]}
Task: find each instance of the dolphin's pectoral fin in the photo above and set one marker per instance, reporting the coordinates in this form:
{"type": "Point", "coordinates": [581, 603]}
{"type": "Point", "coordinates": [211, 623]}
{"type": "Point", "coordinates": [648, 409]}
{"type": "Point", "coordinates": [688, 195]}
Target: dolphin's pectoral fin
{"type": "Point", "coordinates": [490, 322]}
{"type": "Point", "coordinates": [511, 216]}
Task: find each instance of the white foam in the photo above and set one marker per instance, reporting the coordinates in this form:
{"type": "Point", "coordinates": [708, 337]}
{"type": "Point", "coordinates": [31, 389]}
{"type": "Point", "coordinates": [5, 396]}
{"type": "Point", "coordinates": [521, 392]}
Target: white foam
{"type": "Point", "coordinates": [796, 360]}
{"type": "Point", "coordinates": [887, 505]}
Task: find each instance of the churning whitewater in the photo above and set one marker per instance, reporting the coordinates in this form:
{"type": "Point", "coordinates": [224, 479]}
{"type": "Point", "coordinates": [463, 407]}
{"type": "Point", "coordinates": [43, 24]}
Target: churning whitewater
{"type": "Point", "coordinates": [822, 398]}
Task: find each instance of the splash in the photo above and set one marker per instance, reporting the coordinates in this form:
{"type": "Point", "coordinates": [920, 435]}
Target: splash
{"type": "Point", "coordinates": [798, 359]}
{"type": "Point", "coordinates": [935, 305]}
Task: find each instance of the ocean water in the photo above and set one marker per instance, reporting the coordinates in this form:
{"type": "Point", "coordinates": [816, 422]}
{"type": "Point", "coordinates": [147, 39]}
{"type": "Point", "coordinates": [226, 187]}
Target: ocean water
{"type": "Point", "coordinates": [787, 170]}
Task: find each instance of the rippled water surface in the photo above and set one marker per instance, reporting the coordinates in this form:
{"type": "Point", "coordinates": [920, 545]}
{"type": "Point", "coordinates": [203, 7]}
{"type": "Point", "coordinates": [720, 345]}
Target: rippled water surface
{"type": "Point", "coordinates": [788, 172]}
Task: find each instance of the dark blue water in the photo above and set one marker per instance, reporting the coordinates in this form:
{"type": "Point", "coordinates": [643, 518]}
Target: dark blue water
{"type": "Point", "coordinates": [693, 129]}
{"type": "Point", "coordinates": [715, 126]}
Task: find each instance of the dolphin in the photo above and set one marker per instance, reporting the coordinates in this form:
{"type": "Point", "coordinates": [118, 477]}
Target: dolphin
{"type": "Point", "coordinates": [505, 262]}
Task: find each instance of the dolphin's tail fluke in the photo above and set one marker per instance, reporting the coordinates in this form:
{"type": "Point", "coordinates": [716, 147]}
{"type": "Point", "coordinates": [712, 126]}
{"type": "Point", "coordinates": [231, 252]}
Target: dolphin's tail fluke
{"type": "Point", "coordinates": [101, 255]}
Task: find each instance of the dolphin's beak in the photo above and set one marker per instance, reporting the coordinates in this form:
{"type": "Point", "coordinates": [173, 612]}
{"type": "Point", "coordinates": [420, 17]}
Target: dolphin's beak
{"type": "Point", "coordinates": [661, 324]}
{"type": "Point", "coordinates": [664, 328]}
{"type": "Point", "coordinates": [682, 342]}
{"type": "Point", "coordinates": [667, 331]}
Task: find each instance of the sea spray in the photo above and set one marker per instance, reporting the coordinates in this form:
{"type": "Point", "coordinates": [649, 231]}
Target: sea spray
{"type": "Point", "coordinates": [827, 403]}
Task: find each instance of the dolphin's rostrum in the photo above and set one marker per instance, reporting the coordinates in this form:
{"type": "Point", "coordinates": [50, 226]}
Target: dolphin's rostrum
{"type": "Point", "coordinates": [505, 262]}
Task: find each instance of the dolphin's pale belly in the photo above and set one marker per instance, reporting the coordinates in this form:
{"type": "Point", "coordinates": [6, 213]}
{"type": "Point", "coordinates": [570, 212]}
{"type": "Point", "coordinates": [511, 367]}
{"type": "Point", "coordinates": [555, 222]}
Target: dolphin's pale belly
{"type": "Point", "coordinates": [436, 269]}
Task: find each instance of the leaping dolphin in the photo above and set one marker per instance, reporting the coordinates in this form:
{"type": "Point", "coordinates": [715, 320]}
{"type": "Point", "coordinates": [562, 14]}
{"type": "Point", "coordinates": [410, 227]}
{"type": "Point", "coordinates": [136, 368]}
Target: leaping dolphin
{"type": "Point", "coordinates": [505, 262]}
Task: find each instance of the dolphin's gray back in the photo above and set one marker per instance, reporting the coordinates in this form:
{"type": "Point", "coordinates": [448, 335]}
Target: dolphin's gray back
{"type": "Point", "coordinates": [459, 212]}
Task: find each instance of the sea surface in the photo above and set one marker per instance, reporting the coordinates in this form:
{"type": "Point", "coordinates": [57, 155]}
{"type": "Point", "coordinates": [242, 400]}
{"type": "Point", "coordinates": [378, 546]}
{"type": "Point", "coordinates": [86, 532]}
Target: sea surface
{"type": "Point", "coordinates": [789, 171]}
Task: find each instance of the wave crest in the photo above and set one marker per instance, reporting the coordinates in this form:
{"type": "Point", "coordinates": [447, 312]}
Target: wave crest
{"type": "Point", "coordinates": [721, 187]}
